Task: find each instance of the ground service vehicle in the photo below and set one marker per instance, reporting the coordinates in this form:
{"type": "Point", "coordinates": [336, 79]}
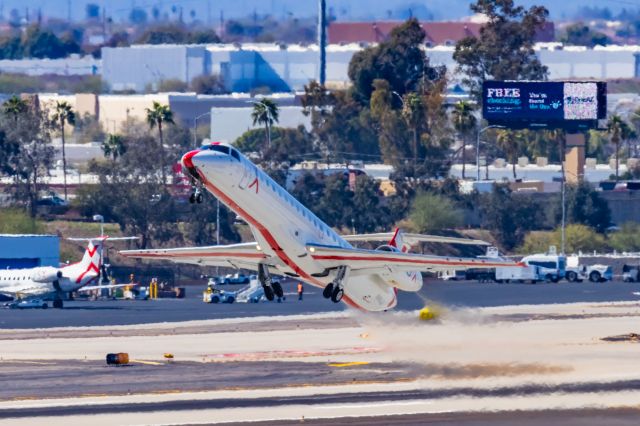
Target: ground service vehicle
{"type": "Point", "coordinates": [551, 267]}
{"type": "Point", "coordinates": [594, 273]}
{"type": "Point", "coordinates": [29, 304]}
{"type": "Point", "coordinates": [528, 273]}
{"type": "Point", "coordinates": [630, 273]}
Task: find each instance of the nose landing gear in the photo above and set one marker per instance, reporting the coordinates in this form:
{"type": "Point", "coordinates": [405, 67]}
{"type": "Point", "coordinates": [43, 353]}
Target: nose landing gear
{"type": "Point", "coordinates": [196, 196]}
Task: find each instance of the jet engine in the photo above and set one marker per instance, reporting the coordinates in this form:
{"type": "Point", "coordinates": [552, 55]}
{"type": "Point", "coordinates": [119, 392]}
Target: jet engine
{"type": "Point", "coordinates": [404, 280]}
{"type": "Point", "coordinates": [46, 275]}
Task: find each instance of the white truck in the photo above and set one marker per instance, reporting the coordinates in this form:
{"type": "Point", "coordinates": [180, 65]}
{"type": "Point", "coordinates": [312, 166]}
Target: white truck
{"type": "Point", "coordinates": [537, 267]}
{"type": "Point", "coordinates": [594, 273]}
{"type": "Point", "coordinates": [518, 274]}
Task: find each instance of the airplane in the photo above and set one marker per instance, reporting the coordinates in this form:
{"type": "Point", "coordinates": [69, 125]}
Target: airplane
{"type": "Point", "coordinates": [44, 281]}
{"type": "Point", "coordinates": [290, 240]}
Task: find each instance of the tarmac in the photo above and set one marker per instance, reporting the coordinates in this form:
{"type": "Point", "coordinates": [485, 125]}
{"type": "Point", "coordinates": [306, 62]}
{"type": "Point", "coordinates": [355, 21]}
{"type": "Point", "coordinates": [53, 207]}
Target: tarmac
{"type": "Point", "coordinates": [498, 354]}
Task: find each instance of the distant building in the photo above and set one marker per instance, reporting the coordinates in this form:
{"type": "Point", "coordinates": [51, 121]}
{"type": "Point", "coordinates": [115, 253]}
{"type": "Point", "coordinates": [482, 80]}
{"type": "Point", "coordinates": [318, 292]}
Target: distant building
{"type": "Point", "coordinates": [29, 251]}
{"type": "Point", "coordinates": [73, 65]}
{"type": "Point", "coordinates": [242, 67]}
{"type": "Point", "coordinates": [287, 68]}
{"type": "Point", "coordinates": [436, 33]}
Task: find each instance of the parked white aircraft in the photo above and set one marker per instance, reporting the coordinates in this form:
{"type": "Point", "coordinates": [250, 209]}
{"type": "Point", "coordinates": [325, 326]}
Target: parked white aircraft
{"type": "Point", "coordinates": [46, 281]}
{"type": "Point", "coordinates": [291, 240]}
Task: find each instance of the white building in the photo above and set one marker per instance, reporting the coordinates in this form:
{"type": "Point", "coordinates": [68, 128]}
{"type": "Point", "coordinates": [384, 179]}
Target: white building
{"type": "Point", "coordinates": [289, 68]}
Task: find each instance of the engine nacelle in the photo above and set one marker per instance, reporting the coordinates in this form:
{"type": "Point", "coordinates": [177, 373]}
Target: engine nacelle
{"type": "Point", "coordinates": [404, 280]}
{"type": "Point", "coordinates": [46, 275]}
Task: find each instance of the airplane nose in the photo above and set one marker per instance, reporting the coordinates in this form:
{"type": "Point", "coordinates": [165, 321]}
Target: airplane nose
{"type": "Point", "coordinates": [187, 158]}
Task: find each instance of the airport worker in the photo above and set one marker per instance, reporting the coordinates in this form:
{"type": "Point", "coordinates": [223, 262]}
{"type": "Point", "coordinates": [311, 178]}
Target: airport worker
{"type": "Point", "coordinates": [300, 290]}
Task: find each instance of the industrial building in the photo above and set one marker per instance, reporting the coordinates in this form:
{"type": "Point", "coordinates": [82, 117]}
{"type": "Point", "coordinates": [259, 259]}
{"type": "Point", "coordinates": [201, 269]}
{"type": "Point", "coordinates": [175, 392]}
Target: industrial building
{"type": "Point", "coordinates": [286, 68]}
{"type": "Point", "coordinates": [28, 251]}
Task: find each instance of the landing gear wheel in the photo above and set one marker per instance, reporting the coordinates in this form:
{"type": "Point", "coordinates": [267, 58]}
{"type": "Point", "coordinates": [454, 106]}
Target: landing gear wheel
{"type": "Point", "coordinates": [199, 198]}
{"type": "Point", "coordinates": [58, 304]}
{"type": "Point", "coordinates": [192, 198]}
{"type": "Point", "coordinates": [277, 289]}
{"type": "Point", "coordinates": [268, 293]}
{"type": "Point", "coordinates": [328, 291]}
{"type": "Point", "coordinates": [337, 294]}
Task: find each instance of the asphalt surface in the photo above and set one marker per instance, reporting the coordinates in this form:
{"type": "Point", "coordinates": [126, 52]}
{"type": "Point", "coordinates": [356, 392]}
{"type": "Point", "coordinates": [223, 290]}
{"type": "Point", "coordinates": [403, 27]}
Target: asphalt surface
{"type": "Point", "coordinates": [464, 294]}
{"type": "Point", "coordinates": [590, 417]}
{"type": "Point", "coordinates": [96, 379]}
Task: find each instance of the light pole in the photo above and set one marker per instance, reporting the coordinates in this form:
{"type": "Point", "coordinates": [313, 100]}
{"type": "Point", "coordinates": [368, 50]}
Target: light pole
{"type": "Point", "coordinates": [99, 218]}
{"type": "Point", "coordinates": [493, 126]}
{"type": "Point", "coordinates": [195, 127]}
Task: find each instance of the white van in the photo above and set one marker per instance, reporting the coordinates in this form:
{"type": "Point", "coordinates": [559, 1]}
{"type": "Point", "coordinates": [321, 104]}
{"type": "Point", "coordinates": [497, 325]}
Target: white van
{"type": "Point", "coordinates": [551, 267]}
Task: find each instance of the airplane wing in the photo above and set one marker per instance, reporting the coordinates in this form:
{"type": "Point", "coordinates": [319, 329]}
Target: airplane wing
{"type": "Point", "coordinates": [372, 261]}
{"type": "Point", "coordinates": [413, 238]}
{"type": "Point", "coordinates": [239, 256]}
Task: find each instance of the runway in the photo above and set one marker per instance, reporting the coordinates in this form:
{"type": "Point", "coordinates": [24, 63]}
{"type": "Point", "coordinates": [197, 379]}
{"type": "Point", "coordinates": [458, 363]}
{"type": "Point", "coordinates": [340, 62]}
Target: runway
{"type": "Point", "coordinates": [530, 363]}
{"type": "Point", "coordinates": [462, 294]}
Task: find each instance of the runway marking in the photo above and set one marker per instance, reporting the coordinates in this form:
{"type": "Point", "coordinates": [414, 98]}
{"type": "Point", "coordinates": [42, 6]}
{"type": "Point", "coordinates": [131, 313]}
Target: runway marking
{"type": "Point", "coordinates": [261, 356]}
{"type": "Point", "coordinates": [348, 364]}
{"type": "Point", "coordinates": [9, 361]}
{"type": "Point", "coordinates": [137, 361]}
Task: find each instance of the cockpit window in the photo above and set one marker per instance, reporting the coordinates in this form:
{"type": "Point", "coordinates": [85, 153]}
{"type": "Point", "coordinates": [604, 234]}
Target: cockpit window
{"type": "Point", "coordinates": [235, 154]}
{"type": "Point", "coordinates": [220, 148]}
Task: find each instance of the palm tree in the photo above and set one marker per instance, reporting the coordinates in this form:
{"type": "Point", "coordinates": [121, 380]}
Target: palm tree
{"type": "Point", "coordinates": [618, 131]}
{"type": "Point", "coordinates": [413, 113]}
{"type": "Point", "coordinates": [14, 106]}
{"type": "Point", "coordinates": [63, 114]}
{"type": "Point", "coordinates": [266, 113]}
{"type": "Point", "coordinates": [464, 122]}
{"type": "Point", "coordinates": [509, 142]}
{"type": "Point", "coordinates": [114, 147]}
{"type": "Point", "coordinates": [156, 116]}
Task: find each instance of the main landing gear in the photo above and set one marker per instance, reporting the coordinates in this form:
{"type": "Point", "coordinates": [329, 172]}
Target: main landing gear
{"type": "Point", "coordinates": [272, 289]}
{"type": "Point", "coordinates": [335, 289]}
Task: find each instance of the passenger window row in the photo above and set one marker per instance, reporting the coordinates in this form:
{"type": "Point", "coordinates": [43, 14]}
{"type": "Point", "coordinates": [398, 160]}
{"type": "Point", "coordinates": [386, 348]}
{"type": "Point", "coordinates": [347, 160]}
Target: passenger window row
{"type": "Point", "coordinates": [299, 207]}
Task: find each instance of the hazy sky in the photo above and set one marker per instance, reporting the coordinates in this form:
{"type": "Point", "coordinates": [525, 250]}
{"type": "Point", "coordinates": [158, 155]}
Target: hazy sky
{"type": "Point", "coordinates": [344, 9]}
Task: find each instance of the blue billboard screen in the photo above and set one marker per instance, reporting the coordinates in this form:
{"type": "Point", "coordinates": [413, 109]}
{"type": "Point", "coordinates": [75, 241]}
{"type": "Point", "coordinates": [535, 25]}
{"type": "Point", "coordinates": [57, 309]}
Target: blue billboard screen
{"type": "Point", "coordinates": [521, 104]}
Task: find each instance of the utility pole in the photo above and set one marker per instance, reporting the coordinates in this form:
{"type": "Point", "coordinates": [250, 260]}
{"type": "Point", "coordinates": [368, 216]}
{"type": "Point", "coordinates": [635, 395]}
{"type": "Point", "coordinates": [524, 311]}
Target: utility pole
{"type": "Point", "coordinates": [322, 40]}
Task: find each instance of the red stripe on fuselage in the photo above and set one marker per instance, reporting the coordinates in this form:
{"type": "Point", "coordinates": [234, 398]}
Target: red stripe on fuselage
{"type": "Point", "coordinates": [399, 260]}
{"type": "Point", "coordinates": [263, 231]}
{"type": "Point", "coordinates": [271, 240]}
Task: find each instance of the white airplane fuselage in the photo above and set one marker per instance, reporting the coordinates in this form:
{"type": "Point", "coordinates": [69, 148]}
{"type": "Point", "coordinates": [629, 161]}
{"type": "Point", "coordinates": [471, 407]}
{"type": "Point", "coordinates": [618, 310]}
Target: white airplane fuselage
{"type": "Point", "coordinates": [283, 227]}
{"type": "Point", "coordinates": [44, 280]}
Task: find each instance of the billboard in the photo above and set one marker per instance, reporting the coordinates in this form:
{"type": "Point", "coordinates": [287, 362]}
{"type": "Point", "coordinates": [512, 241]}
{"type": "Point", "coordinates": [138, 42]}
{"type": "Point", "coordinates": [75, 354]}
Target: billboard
{"type": "Point", "coordinates": [569, 105]}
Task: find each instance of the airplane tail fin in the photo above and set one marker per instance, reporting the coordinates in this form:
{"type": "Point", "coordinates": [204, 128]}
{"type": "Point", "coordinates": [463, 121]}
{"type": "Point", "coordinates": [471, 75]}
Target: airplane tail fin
{"type": "Point", "coordinates": [398, 241]}
{"type": "Point", "coordinates": [93, 253]}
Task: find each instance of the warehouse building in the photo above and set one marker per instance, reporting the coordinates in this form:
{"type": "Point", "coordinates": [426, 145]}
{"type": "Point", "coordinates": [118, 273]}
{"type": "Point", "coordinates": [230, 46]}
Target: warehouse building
{"type": "Point", "coordinates": [286, 68]}
{"type": "Point", "coordinates": [29, 251]}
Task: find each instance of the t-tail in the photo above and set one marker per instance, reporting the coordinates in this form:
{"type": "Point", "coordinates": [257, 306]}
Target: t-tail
{"type": "Point", "coordinates": [398, 241]}
{"type": "Point", "coordinates": [89, 266]}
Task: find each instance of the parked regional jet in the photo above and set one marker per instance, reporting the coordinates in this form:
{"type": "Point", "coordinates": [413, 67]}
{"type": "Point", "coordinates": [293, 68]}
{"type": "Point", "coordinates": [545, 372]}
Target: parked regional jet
{"type": "Point", "coordinates": [46, 281]}
{"type": "Point", "coordinates": [291, 240]}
